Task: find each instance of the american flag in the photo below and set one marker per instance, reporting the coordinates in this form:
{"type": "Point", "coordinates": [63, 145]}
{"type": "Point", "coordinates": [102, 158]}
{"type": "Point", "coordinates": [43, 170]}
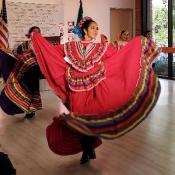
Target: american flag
{"type": "Point", "coordinates": [3, 27]}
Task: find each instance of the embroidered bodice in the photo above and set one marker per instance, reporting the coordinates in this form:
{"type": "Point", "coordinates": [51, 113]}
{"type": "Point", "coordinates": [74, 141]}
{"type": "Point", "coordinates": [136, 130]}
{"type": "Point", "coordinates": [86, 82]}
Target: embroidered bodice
{"type": "Point", "coordinates": [86, 68]}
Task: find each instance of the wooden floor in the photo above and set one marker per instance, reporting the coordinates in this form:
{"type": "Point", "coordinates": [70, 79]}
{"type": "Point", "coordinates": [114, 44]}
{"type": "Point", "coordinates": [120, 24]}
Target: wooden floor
{"type": "Point", "coordinates": [147, 150]}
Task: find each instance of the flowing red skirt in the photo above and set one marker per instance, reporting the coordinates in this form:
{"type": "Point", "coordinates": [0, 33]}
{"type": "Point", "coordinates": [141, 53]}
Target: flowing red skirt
{"type": "Point", "coordinates": [63, 140]}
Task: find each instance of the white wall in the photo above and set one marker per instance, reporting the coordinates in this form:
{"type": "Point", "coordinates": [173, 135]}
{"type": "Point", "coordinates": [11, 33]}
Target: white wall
{"type": "Point", "coordinates": [97, 9]}
{"type": "Point", "coordinates": [35, 1]}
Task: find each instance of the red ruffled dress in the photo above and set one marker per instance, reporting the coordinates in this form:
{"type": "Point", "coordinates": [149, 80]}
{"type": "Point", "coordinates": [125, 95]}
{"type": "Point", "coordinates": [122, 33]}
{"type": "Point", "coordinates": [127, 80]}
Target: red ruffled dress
{"type": "Point", "coordinates": [109, 92]}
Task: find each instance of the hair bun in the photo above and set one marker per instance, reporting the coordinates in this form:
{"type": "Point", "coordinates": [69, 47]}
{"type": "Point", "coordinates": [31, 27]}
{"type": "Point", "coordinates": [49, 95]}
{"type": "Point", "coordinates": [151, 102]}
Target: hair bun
{"type": "Point", "coordinates": [86, 18]}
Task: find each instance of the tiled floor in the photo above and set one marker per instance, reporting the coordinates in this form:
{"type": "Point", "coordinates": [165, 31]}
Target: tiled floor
{"type": "Point", "coordinates": [148, 149]}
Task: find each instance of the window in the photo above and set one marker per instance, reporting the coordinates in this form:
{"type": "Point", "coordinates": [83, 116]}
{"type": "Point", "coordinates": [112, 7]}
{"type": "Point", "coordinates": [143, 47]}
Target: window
{"type": "Point", "coordinates": [160, 19]}
{"type": "Point", "coordinates": [159, 24]}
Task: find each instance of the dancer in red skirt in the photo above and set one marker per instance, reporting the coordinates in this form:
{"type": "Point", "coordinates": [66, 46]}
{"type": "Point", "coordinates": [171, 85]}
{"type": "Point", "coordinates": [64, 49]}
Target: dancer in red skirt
{"type": "Point", "coordinates": [108, 92]}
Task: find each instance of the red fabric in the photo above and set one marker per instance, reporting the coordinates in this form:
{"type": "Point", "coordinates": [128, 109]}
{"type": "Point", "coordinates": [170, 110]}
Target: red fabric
{"type": "Point", "coordinates": [64, 141]}
{"type": "Point", "coordinates": [54, 66]}
{"type": "Point", "coordinates": [122, 76]}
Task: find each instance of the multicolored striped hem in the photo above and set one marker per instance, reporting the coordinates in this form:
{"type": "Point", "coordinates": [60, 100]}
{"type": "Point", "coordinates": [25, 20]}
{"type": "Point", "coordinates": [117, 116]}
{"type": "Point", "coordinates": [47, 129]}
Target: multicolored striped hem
{"type": "Point", "coordinates": [14, 89]}
{"type": "Point", "coordinates": [123, 120]}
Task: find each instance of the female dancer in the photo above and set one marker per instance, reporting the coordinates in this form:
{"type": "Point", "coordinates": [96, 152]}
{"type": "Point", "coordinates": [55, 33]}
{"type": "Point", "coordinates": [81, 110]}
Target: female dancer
{"type": "Point", "coordinates": [21, 76]}
{"type": "Point", "coordinates": [26, 45]}
{"type": "Point", "coordinates": [108, 92]}
{"type": "Point", "coordinates": [122, 39]}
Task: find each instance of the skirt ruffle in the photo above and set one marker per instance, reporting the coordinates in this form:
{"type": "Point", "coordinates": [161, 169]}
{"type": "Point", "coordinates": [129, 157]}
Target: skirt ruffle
{"type": "Point", "coordinates": [21, 89]}
{"type": "Point", "coordinates": [64, 140]}
{"type": "Point", "coordinates": [123, 119]}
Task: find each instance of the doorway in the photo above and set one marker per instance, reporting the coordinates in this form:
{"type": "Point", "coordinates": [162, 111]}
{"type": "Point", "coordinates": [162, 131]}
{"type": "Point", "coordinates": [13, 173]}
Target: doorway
{"type": "Point", "coordinates": [120, 19]}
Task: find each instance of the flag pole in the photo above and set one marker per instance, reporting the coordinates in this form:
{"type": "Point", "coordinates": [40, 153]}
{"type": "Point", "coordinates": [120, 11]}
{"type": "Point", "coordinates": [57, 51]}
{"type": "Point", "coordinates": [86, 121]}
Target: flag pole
{"type": "Point", "coordinates": [80, 12]}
